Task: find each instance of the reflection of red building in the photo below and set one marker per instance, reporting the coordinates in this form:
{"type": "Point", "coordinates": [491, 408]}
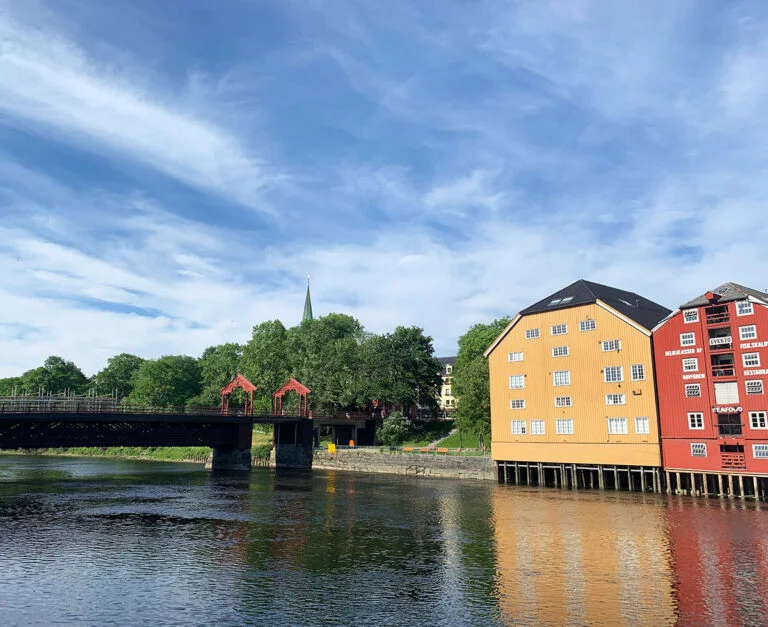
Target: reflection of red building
{"type": "Point", "coordinates": [711, 359]}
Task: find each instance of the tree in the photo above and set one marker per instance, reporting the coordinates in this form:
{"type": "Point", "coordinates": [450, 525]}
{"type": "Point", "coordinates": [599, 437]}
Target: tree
{"type": "Point", "coordinates": [393, 431]}
{"type": "Point", "coordinates": [115, 378]}
{"type": "Point", "coordinates": [265, 361]}
{"type": "Point", "coordinates": [471, 384]}
{"type": "Point", "coordinates": [166, 382]}
{"type": "Point", "coordinates": [11, 385]}
{"type": "Point", "coordinates": [218, 365]}
{"type": "Point", "coordinates": [56, 375]}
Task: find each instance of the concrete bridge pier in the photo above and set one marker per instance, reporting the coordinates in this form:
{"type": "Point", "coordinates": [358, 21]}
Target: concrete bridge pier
{"type": "Point", "coordinates": [236, 456]}
{"type": "Point", "coordinates": [293, 445]}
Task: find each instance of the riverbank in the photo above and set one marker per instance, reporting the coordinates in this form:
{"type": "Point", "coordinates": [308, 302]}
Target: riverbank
{"type": "Point", "coordinates": [416, 464]}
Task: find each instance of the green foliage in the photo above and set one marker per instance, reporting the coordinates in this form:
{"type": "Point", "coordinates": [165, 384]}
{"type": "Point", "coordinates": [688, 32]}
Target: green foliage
{"type": "Point", "coordinates": [218, 365]}
{"type": "Point", "coordinates": [471, 384]}
{"type": "Point", "coordinates": [393, 431]}
{"type": "Point", "coordinates": [166, 382]}
{"type": "Point", "coordinates": [460, 439]}
{"type": "Point", "coordinates": [265, 361]}
{"type": "Point", "coordinates": [11, 385]}
{"type": "Point", "coordinates": [422, 434]}
{"type": "Point", "coordinates": [56, 375]}
{"type": "Point", "coordinates": [116, 376]}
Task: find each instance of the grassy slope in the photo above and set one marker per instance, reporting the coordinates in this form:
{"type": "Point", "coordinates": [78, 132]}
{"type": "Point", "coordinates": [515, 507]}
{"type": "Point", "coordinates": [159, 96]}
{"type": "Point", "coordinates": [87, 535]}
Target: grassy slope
{"type": "Point", "coordinates": [468, 440]}
{"type": "Point", "coordinates": [429, 432]}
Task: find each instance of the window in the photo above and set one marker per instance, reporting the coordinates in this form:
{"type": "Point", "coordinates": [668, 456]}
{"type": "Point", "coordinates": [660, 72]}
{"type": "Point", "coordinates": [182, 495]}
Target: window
{"type": "Point", "coordinates": [555, 301]}
{"type": "Point", "coordinates": [696, 420]}
{"type": "Point", "coordinates": [518, 427]}
{"type": "Point", "coordinates": [559, 329]}
{"type": "Point", "coordinates": [447, 391]}
{"type": "Point", "coordinates": [757, 420]}
{"type": "Point", "coordinates": [567, 299]}
{"type": "Point", "coordinates": [611, 345]}
{"type": "Point", "coordinates": [449, 369]}
{"type": "Point", "coordinates": [617, 426]}
{"type": "Point", "coordinates": [751, 359]}
{"type": "Point", "coordinates": [561, 377]}
{"type": "Point", "coordinates": [517, 403]}
{"type": "Point", "coordinates": [638, 372]}
{"type": "Point", "coordinates": [560, 351]}
{"type": "Point", "coordinates": [693, 390]}
{"type": "Point", "coordinates": [691, 315]}
{"type": "Point", "coordinates": [726, 393]}
{"type": "Point", "coordinates": [754, 387]}
{"type": "Point", "coordinates": [613, 374]}
{"type": "Point", "coordinates": [563, 401]}
{"type": "Point", "coordinates": [760, 451]}
{"type": "Point", "coordinates": [687, 339]}
{"type": "Point", "coordinates": [615, 399]}
{"type": "Point", "coordinates": [691, 364]}
{"type": "Point", "coordinates": [564, 426]}
{"type": "Point", "coordinates": [642, 425]}
{"type": "Point", "coordinates": [698, 449]}
{"type": "Point", "coordinates": [515, 356]}
{"type": "Point", "coordinates": [748, 332]}
{"type": "Point", "coordinates": [516, 381]}
{"type": "Point", "coordinates": [531, 334]}
{"type": "Point", "coordinates": [587, 325]}
{"type": "Point", "coordinates": [537, 427]}
{"type": "Point", "coordinates": [744, 308]}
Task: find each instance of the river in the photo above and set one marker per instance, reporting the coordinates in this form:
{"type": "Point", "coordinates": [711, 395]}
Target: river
{"type": "Point", "coordinates": [101, 542]}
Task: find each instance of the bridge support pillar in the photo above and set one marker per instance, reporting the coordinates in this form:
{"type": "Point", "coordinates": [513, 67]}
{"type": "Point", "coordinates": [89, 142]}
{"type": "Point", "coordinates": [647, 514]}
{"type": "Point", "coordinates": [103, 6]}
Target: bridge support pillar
{"type": "Point", "coordinates": [293, 445]}
{"type": "Point", "coordinates": [229, 459]}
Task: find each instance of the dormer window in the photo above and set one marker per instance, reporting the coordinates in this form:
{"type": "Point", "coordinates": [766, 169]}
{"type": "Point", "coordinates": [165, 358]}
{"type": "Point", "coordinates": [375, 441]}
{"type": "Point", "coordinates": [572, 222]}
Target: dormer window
{"type": "Point", "coordinates": [744, 308]}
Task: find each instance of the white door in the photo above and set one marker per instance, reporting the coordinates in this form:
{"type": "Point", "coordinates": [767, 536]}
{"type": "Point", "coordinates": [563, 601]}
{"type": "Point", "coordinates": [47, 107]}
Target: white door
{"type": "Point", "coordinates": [727, 393]}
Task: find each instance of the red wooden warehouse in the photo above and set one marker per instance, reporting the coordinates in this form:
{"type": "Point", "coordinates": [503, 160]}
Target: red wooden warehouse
{"type": "Point", "coordinates": [711, 358]}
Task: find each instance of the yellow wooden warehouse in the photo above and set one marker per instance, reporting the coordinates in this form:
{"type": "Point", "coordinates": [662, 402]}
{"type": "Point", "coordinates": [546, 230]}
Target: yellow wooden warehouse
{"type": "Point", "coordinates": [573, 399]}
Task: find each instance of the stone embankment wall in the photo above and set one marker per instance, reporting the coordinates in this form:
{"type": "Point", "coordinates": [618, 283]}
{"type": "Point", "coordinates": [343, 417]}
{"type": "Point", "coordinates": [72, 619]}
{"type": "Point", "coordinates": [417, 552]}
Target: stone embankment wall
{"type": "Point", "coordinates": [420, 465]}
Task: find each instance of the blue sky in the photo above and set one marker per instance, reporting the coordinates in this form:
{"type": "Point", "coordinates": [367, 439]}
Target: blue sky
{"type": "Point", "coordinates": [171, 171]}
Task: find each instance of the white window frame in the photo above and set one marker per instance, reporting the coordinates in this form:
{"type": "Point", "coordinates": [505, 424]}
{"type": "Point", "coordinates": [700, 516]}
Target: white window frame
{"type": "Point", "coordinates": [638, 372]}
{"type": "Point", "coordinates": [618, 426]}
{"type": "Point", "coordinates": [642, 425]}
{"type": "Point", "coordinates": [615, 399]}
{"type": "Point", "coordinates": [696, 421]}
{"type": "Point", "coordinates": [532, 334]}
{"type": "Point", "coordinates": [763, 448]}
{"type": "Point", "coordinates": [691, 387]}
{"type": "Point", "coordinates": [559, 329]}
{"type": "Point", "coordinates": [754, 418]}
{"type": "Point", "coordinates": [587, 325]}
{"type": "Point", "coordinates": [685, 337]}
{"type": "Point", "coordinates": [751, 357]}
{"type": "Point", "coordinates": [515, 356]}
{"type": "Point", "coordinates": [619, 370]}
{"type": "Point", "coordinates": [517, 403]}
{"type": "Point", "coordinates": [748, 332]}
{"type": "Point", "coordinates": [560, 351]}
{"type": "Point", "coordinates": [698, 446]}
{"type": "Point", "coordinates": [749, 308]}
{"type": "Point", "coordinates": [755, 384]}
{"type": "Point", "coordinates": [538, 427]}
{"type": "Point", "coordinates": [517, 382]}
{"type": "Point", "coordinates": [564, 376]}
{"type": "Point", "coordinates": [691, 361]}
{"type": "Point", "coordinates": [563, 401]}
{"type": "Point", "coordinates": [564, 426]}
{"type": "Point", "coordinates": [518, 427]}
{"type": "Point", "coordinates": [695, 316]}
{"type": "Point", "coordinates": [611, 345]}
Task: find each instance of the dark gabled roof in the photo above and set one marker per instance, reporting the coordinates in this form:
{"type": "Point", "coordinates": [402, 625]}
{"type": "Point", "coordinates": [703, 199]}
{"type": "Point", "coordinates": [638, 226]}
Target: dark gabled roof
{"type": "Point", "coordinates": [446, 361]}
{"type": "Point", "coordinates": [644, 312]}
{"type": "Point", "coordinates": [728, 292]}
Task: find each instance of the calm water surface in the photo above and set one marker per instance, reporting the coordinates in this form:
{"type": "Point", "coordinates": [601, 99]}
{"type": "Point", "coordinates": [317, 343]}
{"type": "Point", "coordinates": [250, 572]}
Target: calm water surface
{"type": "Point", "coordinates": [98, 542]}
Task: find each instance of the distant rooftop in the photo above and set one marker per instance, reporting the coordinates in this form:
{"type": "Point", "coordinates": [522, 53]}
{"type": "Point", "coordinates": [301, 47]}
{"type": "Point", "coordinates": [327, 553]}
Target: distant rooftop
{"type": "Point", "coordinates": [446, 361]}
{"type": "Point", "coordinates": [728, 292]}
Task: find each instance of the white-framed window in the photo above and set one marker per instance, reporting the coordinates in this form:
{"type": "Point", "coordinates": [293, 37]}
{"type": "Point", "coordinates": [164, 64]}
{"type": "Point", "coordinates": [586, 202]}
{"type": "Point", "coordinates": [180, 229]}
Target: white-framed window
{"type": "Point", "coordinates": [754, 387]}
{"type": "Point", "coordinates": [690, 315]}
{"type": "Point", "coordinates": [559, 329]}
{"type": "Point", "coordinates": [760, 451]}
{"type": "Point", "coordinates": [615, 399]}
{"type": "Point", "coordinates": [559, 351]}
{"type": "Point", "coordinates": [698, 449]}
{"type": "Point", "coordinates": [448, 369]}
{"type": "Point", "coordinates": [531, 334]}
{"type": "Point", "coordinates": [537, 427]}
{"type": "Point", "coordinates": [642, 425]}
{"type": "Point", "coordinates": [757, 420]}
{"type": "Point", "coordinates": [587, 325]}
{"type": "Point", "coordinates": [563, 401]}
{"type": "Point", "coordinates": [516, 356]}
{"type": "Point", "coordinates": [564, 426]}
{"type": "Point", "coordinates": [518, 427]}
{"type": "Point", "coordinates": [611, 345]}
{"type": "Point", "coordinates": [516, 381]}
{"type": "Point", "coordinates": [750, 359]}
{"type": "Point", "coordinates": [638, 372]}
{"type": "Point", "coordinates": [744, 308]}
{"type": "Point", "coordinates": [693, 390]}
{"type": "Point", "coordinates": [517, 403]}
{"type": "Point", "coordinates": [748, 332]}
{"type": "Point", "coordinates": [691, 364]}
{"type": "Point", "coordinates": [561, 377]}
{"type": "Point", "coordinates": [613, 374]}
{"type": "Point", "coordinates": [617, 426]}
{"type": "Point", "coordinates": [695, 420]}
{"type": "Point", "coordinates": [687, 339]}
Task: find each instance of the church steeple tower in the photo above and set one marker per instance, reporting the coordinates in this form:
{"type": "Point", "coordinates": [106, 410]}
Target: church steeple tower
{"type": "Point", "coordinates": [307, 305]}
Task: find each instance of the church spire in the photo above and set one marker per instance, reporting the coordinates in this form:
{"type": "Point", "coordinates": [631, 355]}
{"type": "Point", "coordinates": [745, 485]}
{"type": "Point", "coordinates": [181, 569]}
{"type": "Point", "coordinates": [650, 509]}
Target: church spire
{"type": "Point", "coordinates": [307, 305]}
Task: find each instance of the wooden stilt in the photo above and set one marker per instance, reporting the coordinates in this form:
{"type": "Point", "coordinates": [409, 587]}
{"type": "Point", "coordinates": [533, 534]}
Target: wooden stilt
{"type": "Point", "coordinates": [554, 474]}
{"type": "Point", "coordinates": [754, 487]}
{"type": "Point", "coordinates": [704, 482]}
{"type": "Point", "coordinates": [677, 479]}
{"type": "Point", "coordinates": [730, 486]}
{"type": "Point", "coordinates": [694, 491]}
{"type": "Point", "coordinates": [741, 487]}
{"type": "Point", "coordinates": [539, 478]}
{"type": "Point", "coordinates": [669, 483]}
{"type": "Point", "coordinates": [642, 479]}
{"type": "Point", "coordinates": [616, 478]}
{"type": "Point", "coordinates": [517, 474]}
{"type": "Point", "coordinates": [600, 478]}
{"type": "Point", "coordinates": [575, 475]}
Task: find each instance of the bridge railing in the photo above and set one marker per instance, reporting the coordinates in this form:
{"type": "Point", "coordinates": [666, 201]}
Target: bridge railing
{"type": "Point", "coordinates": [48, 407]}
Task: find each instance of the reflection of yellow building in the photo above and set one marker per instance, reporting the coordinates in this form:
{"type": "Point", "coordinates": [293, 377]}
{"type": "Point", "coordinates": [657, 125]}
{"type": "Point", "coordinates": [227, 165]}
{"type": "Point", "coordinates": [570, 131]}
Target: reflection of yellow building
{"type": "Point", "coordinates": [447, 400]}
{"type": "Point", "coordinates": [571, 381]}
{"type": "Point", "coordinates": [571, 560]}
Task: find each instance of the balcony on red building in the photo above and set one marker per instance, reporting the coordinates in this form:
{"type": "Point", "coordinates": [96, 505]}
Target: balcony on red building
{"type": "Point", "coordinates": [720, 338]}
{"type": "Point", "coordinates": [723, 365]}
{"type": "Point", "coordinates": [717, 314]}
